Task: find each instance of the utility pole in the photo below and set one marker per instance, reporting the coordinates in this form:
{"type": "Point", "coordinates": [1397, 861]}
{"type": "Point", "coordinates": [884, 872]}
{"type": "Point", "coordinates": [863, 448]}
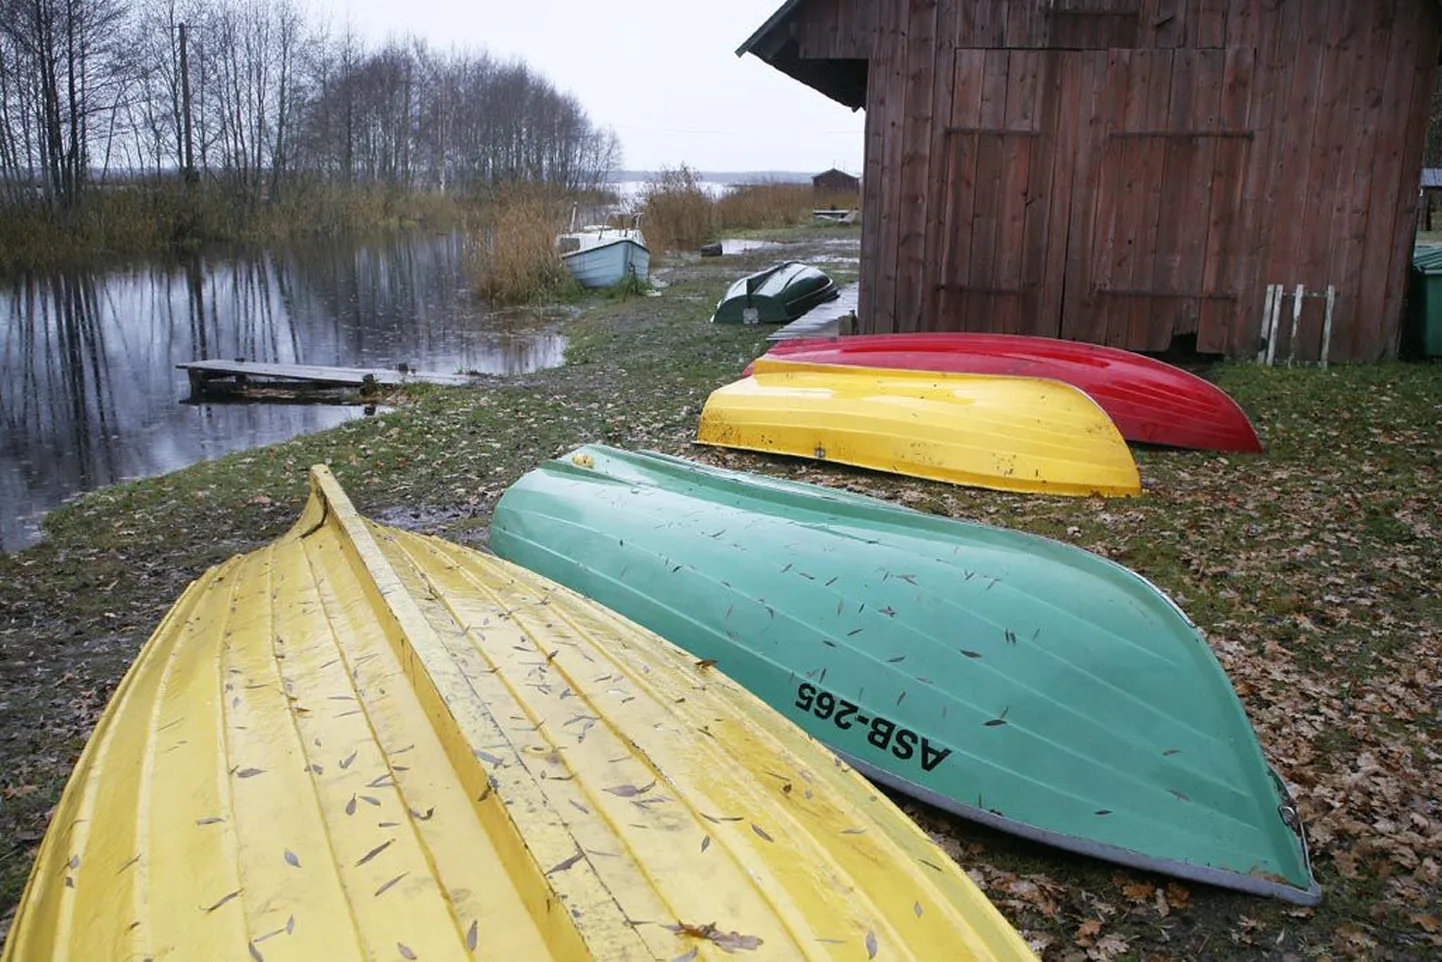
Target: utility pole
{"type": "Point", "coordinates": [190, 174]}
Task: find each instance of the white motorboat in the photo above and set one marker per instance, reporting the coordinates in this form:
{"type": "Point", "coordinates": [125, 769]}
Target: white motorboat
{"type": "Point", "coordinates": [600, 256]}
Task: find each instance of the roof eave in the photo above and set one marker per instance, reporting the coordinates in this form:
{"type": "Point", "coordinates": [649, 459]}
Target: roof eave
{"type": "Point", "coordinates": [772, 22]}
{"type": "Point", "coordinates": [774, 43]}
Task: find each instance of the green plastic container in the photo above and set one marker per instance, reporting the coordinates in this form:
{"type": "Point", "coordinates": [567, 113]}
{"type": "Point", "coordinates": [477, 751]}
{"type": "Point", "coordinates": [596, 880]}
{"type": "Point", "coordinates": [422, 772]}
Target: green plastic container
{"type": "Point", "coordinates": [1424, 300]}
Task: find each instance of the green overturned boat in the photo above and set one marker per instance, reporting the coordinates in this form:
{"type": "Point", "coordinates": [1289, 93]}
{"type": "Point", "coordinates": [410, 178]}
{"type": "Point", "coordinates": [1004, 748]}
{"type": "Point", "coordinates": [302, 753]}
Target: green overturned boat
{"type": "Point", "coordinates": [778, 294]}
{"type": "Point", "coordinates": [1011, 679]}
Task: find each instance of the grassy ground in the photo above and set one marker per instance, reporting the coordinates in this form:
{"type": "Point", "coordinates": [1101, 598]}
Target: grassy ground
{"type": "Point", "coordinates": [1314, 570]}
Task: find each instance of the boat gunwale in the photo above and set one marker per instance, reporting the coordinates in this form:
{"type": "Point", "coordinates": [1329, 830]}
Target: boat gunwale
{"type": "Point", "coordinates": [1191, 871]}
{"type": "Point", "coordinates": [604, 245]}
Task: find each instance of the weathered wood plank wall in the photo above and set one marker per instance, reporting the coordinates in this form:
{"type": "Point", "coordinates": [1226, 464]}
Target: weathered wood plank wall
{"type": "Point", "coordinates": [1126, 171]}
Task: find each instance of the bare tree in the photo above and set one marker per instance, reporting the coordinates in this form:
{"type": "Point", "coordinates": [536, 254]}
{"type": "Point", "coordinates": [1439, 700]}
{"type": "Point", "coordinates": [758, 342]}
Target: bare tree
{"type": "Point", "coordinates": [273, 100]}
{"type": "Point", "coordinates": [70, 53]}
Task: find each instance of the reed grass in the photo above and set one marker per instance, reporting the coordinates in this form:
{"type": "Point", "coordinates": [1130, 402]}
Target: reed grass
{"type": "Point", "coordinates": [514, 257]}
{"type": "Point", "coordinates": [680, 215]}
{"type": "Point", "coordinates": [148, 217]}
{"type": "Point", "coordinates": [677, 213]}
{"type": "Point", "coordinates": [769, 206]}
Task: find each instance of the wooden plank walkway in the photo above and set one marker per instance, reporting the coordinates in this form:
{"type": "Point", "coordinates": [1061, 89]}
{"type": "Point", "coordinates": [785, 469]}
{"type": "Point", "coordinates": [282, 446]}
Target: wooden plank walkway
{"type": "Point", "coordinates": [821, 320]}
{"type": "Point", "coordinates": [202, 373]}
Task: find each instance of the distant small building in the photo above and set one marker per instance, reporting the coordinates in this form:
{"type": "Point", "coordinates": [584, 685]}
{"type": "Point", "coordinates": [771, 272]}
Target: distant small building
{"type": "Point", "coordinates": [835, 181]}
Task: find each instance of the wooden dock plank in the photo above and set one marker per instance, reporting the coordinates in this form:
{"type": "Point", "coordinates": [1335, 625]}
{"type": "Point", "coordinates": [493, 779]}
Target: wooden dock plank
{"type": "Point", "coordinates": [211, 370]}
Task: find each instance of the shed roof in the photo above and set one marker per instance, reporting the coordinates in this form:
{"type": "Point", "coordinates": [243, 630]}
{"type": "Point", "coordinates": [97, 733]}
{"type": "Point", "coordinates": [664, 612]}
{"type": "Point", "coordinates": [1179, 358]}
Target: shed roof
{"type": "Point", "coordinates": [1432, 178]}
{"type": "Point", "coordinates": [775, 42]}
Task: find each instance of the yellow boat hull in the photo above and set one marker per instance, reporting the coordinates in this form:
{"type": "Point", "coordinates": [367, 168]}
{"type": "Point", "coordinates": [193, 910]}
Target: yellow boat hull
{"type": "Point", "coordinates": [1006, 433]}
{"type": "Point", "coordinates": [359, 743]}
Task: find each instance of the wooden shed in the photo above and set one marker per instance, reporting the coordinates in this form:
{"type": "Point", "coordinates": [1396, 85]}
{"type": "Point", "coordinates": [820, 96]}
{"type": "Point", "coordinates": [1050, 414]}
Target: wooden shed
{"type": "Point", "coordinates": [1129, 172]}
{"type": "Point", "coordinates": [835, 181]}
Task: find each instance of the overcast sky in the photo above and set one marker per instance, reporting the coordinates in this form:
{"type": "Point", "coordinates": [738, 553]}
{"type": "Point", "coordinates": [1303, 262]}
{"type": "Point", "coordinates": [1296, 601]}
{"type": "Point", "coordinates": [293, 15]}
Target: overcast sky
{"type": "Point", "coordinates": [662, 73]}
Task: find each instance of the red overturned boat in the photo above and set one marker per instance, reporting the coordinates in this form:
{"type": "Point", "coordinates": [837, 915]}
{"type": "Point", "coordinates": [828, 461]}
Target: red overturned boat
{"type": "Point", "coordinates": [1149, 400]}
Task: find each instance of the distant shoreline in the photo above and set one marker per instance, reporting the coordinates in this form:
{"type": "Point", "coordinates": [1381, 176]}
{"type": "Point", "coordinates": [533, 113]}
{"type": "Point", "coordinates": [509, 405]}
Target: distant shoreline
{"type": "Point", "coordinates": [724, 176]}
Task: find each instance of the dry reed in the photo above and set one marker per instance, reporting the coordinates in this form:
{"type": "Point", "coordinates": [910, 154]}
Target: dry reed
{"type": "Point", "coordinates": [678, 214]}
{"type": "Point", "coordinates": [514, 258]}
{"type": "Point", "coordinates": [148, 217]}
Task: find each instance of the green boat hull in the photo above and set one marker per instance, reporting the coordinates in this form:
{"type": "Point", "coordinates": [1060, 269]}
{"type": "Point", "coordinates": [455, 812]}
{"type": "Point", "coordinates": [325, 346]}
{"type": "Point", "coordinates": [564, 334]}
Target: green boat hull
{"type": "Point", "coordinates": [780, 293]}
{"type": "Point", "coordinates": [1007, 678]}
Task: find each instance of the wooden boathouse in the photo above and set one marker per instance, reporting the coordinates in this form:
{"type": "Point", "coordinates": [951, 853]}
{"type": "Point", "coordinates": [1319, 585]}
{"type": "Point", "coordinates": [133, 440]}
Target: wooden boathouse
{"type": "Point", "coordinates": [1131, 172]}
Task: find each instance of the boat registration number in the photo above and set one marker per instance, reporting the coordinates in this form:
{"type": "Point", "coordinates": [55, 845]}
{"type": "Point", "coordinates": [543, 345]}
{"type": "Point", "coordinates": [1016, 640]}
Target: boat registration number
{"type": "Point", "coordinates": [882, 733]}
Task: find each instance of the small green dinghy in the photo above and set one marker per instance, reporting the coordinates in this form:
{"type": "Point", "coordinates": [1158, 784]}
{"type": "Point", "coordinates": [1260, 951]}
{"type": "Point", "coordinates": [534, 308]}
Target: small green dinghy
{"type": "Point", "coordinates": [1014, 680]}
{"type": "Point", "coordinates": [778, 294]}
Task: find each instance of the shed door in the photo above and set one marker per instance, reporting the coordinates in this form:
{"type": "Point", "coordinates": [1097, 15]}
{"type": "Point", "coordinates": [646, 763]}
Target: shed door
{"type": "Point", "coordinates": [1170, 153]}
{"type": "Point", "coordinates": [1000, 165]}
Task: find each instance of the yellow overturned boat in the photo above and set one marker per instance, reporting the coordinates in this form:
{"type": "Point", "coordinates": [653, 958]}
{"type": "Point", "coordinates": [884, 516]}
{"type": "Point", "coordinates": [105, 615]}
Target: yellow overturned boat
{"type": "Point", "coordinates": [1007, 433]}
{"type": "Point", "coordinates": [359, 743]}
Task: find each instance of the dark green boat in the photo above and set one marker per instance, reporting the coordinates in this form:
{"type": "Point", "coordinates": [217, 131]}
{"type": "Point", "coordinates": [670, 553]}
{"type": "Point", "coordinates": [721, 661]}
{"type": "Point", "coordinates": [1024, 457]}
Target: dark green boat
{"type": "Point", "coordinates": [778, 294]}
{"type": "Point", "coordinates": [1011, 679]}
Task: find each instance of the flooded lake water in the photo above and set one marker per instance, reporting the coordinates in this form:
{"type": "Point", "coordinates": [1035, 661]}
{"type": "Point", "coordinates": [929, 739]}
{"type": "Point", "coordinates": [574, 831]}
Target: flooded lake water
{"type": "Point", "coordinates": [89, 391]}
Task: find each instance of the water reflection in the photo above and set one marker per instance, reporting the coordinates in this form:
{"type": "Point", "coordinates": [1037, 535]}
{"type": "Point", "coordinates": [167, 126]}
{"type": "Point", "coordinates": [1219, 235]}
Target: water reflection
{"type": "Point", "coordinates": [89, 392]}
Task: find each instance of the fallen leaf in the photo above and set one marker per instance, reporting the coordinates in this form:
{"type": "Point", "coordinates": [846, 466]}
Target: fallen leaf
{"type": "Point", "coordinates": [727, 941]}
{"type": "Point", "coordinates": [1180, 897]}
{"type": "Point", "coordinates": [374, 852]}
{"type": "Point", "coordinates": [564, 864]}
{"type": "Point", "coordinates": [1138, 891]}
{"type": "Point", "coordinates": [1109, 947]}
